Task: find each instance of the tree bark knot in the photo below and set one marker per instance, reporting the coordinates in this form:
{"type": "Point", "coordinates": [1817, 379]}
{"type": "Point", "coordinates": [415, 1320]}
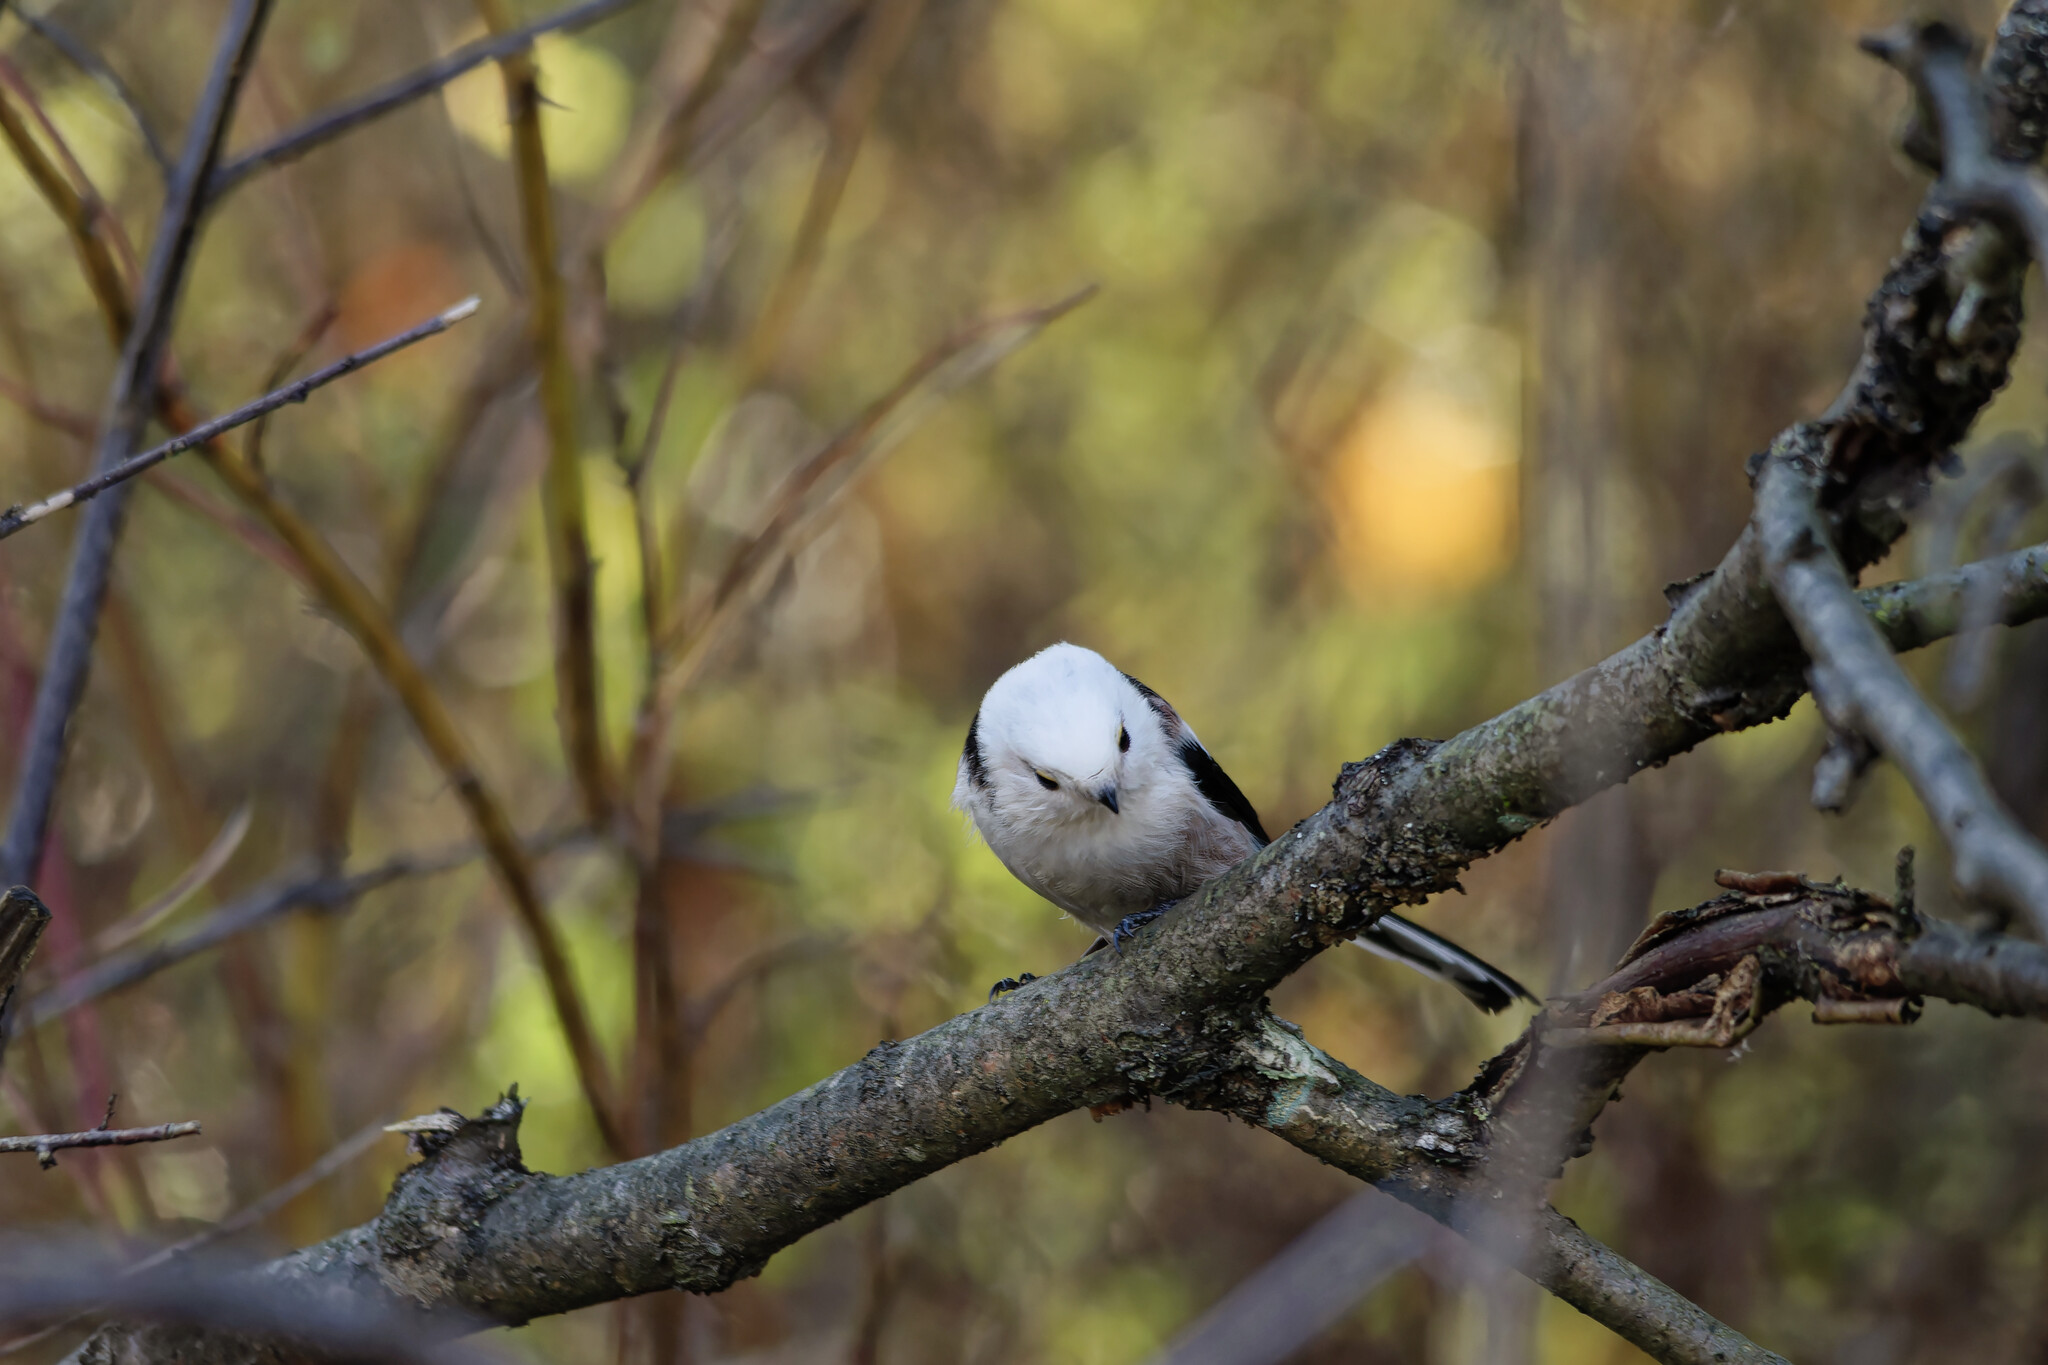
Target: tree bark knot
{"type": "Point", "coordinates": [1399, 862]}
{"type": "Point", "coordinates": [432, 1220]}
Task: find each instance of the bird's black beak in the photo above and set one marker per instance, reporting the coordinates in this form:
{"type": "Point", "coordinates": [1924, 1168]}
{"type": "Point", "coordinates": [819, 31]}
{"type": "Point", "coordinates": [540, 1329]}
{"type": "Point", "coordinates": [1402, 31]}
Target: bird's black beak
{"type": "Point", "coordinates": [1107, 796]}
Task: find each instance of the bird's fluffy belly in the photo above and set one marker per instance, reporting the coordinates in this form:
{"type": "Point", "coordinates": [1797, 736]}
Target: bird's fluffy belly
{"type": "Point", "coordinates": [1122, 864]}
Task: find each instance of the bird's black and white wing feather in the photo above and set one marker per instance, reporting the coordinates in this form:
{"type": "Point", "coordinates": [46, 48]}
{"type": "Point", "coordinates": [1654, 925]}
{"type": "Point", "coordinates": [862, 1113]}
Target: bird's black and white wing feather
{"type": "Point", "coordinates": [1390, 936]}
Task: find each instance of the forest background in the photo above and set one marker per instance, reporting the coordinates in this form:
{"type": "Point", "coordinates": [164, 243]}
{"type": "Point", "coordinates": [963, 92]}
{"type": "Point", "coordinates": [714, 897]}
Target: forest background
{"type": "Point", "coordinates": [1429, 344]}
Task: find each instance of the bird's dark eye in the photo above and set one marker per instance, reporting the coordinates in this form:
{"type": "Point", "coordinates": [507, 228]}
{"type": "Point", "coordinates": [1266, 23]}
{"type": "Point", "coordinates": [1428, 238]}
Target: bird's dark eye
{"type": "Point", "coordinates": [1045, 781]}
{"type": "Point", "coordinates": [1123, 741]}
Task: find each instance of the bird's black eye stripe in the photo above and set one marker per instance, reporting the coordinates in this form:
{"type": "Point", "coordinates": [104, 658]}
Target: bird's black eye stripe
{"type": "Point", "coordinates": [1045, 781]}
{"type": "Point", "coordinates": [1123, 740]}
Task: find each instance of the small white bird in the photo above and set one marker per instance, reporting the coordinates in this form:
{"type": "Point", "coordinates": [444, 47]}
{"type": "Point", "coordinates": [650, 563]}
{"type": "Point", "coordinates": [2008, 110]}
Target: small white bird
{"type": "Point", "coordinates": [1097, 795]}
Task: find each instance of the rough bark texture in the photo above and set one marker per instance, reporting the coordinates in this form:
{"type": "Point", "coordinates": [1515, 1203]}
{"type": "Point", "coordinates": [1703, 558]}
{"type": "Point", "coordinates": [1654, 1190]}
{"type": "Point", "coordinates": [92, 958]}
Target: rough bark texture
{"type": "Point", "coordinates": [470, 1230]}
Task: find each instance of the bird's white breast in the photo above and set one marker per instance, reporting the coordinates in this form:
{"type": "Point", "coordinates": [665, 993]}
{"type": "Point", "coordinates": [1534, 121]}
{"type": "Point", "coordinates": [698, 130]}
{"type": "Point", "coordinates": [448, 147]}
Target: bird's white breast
{"type": "Point", "coordinates": [1100, 866]}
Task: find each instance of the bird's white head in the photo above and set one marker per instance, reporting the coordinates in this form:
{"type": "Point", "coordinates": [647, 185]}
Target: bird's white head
{"type": "Point", "coordinates": [1054, 739]}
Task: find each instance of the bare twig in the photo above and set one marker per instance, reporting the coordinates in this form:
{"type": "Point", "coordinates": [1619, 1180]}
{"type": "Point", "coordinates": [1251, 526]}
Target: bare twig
{"type": "Point", "coordinates": [687, 324]}
{"type": "Point", "coordinates": [204, 868]}
{"type": "Point", "coordinates": [578, 709]}
{"type": "Point", "coordinates": [1862, 690]}
{"type": "Point", "coordinates": [323, 892]}
{"type": "Point", "coordinates": [803, 499]}
{"type": "Point", "coordinates": [2016, 491]}
{"type": "Point", "coordinates": [80, 55]}
{"type": "Point", "coordinates": [1331, 1116]}
{"type": "Point", "coordinates": [82, 218]}
{"type": "Point", "coordinates": [415, 85]}
{"type": "Point", "coordinates": [300, 347]}
{"type": "Point", "coordinates": [1297, 1295]}
{"type": "Point", "coordinates": [46, 1145]}
{"type": "Point", "coordinates": [359, 612]}
{"type": "Point", "coordinates": [17, 517]}
{"type": "Point", "coordinates": [94, 205]}
{"type": "Point", "coordinates": [249, 1215]}
{"type": "Point", "coordinates": [179, 491]}
{"type": "Point", "coordinates": [959, 359]}
{"type": "Point", "coordinates": [757, 80]}
{"type": "Point", "coordinates": [669, 121]}
{"type": "Point", "coordinates": [883, 37]}
{"type": "Point", "coordinates": [130, 403]}
{"type": "Point", "coordinates": [765, 962]}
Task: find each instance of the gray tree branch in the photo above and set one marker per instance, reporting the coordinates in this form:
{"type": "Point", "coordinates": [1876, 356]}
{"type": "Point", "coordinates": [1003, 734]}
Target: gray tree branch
{"type": "Point", "coordinates": [1865, 695]}
{"type": "Point", "coordinates": [130, 401]}
{"type": "Point", "coordinates": [469, 1229]}
{"type": "Point", "coordinates": [1863, 692]}
{"type": "Point", "coordinates": [47, 1145]}
{"type": "Point", "coordinates": [326, 127]}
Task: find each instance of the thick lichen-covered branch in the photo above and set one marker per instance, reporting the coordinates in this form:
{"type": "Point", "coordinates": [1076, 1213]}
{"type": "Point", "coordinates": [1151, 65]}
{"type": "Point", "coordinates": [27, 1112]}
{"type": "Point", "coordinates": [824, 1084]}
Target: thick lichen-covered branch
{"type": "Point", "coordinates": [471, 1230]}
{"type": "Point", "coordinates": [1867, 699]}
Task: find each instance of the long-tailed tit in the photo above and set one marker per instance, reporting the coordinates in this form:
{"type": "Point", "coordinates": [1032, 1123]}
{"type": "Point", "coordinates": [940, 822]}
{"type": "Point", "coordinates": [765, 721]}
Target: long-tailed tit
{"type": "Point", "coordinates": [1097, 795]}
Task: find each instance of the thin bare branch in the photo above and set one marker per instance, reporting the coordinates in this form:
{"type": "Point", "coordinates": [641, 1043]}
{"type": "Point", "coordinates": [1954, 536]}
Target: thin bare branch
{"type": "Point", "coordinates": [958, 360]}
{"type": "Point", "coordinates": [804, 498]}
{"type": "Point", "coordinates": [46, 1145]}
{"type": "Point", "coordinates": [165, 903]}
{"type": "Point", "coordinates": [178, 490]}
{"type": "Point", "coordinates": [18, 517]}
{"type": "Point", "coordinates": [757, 80]}
{"type": "Point", "coordinates": [670, 119]}
{"type": "Point", "coordinates": [294, 354]}
{"type": "Point", "coordinates": [1862, 691]}
{"type": "Point", "coordinates": [1297, 1295]}
{"type": "Point", "coordinates": [248, 1216]}
{"type": "Point", "coordinates": [883, 37]}
{"type": "Point", "coordinates": [324, 892]}
{"type": "Point", "coordinates": [2009, 590]}
{"type": "Point", "coordinates": [756, 966]}
{"type": "Point", "coordinates": [359, 612]}
{"type": "Point", "coordinates": [130, 403]}
{"type": "Point", "coordinates": [78, 210]}
{"type": "Point", "coordinates": [578, 708]}
{"type": "Point", "coordinates": [80, 54]}
{"type": "Point", "coordinates": [323, 128]}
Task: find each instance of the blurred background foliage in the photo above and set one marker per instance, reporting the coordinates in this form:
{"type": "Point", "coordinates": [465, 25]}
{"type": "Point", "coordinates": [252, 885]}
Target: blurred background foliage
{"type": "Point", "coordinates": [1431, 340]}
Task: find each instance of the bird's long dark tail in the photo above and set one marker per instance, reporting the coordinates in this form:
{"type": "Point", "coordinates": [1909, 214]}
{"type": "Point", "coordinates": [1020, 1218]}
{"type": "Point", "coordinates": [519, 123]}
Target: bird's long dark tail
{"type": "Point", "coordinates": [1484, 984]}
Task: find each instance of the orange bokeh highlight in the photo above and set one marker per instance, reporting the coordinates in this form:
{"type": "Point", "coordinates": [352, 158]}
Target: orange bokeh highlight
{"type": "Point", "coordinates": [1425, 496]}
{"type": "Point", "coordinates": [394, 289]}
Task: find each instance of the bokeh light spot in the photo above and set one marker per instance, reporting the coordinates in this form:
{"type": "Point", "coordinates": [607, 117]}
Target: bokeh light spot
{"type": "Point", "coordinates": [588, 103]}
{"type": "Point", "coordinates": [1425, 494]}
